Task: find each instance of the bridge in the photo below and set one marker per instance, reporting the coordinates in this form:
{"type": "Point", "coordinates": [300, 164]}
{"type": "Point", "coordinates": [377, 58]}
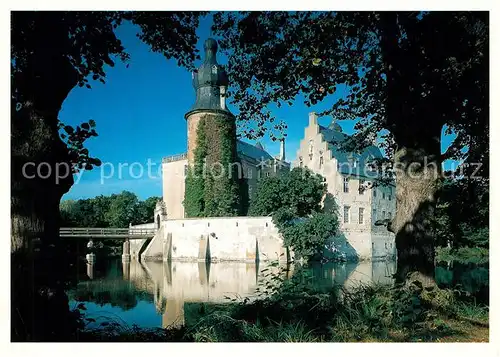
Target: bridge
{"type": "Point", "coordinates": [108, 233]}
{"type": "Point", "coordinates": [126, 234]}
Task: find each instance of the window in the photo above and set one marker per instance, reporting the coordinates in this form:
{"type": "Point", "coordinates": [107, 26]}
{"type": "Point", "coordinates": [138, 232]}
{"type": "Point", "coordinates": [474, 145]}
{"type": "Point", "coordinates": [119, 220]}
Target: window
{"type": "Point", "coordinates": [374, 192]}
{"type": "Point", "coordinates": [185, 170]}
{"type": "Point", "coordinates": [267, 174]}
{"type": "Point", "coordinates": [301, 164]}
{"type": "Point", "coordinates": [360, 188]}
{"type": "Point", "coordinates": [311, 149]}
{"type": "Point", "coordinates": [355, 163]}
{"type": "Point", "coordinates": [374, 218]}
{"type": "Point", "coordinates": [383, 214]}
{"type": "Point", "coordinates": [361, 213]}
{"type": "Point", "coordinates": [259, 172]}
{"type": "Point", "coordinates": [320, 162]}
{"type": "Point", "coordinates": [346, 184]}
{"type": "Point", "coordinates": [389, 194]}
{"type": "Point", "coordinates": [346, 214]}
{"type": "Point", "coordinates": [249, 173]}
{"type": "Point", "coordinates": [383, 194]}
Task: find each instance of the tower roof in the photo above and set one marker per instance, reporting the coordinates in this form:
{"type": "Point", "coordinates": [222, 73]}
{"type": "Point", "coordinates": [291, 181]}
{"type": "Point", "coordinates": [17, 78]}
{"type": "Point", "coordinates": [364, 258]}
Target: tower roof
{"type": "Point", "coordinates": [208, 80]}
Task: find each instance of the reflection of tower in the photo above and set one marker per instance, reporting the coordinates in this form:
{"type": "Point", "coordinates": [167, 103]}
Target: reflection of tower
{"type": "Point", "coordinates": [174, 313]}
{"type": "Point", "coordinates": [167, 274]}
{"type": "Point", "coordinates": [210, 83]}
{"type": "Point", "coordinates": [90, 270]}
{"type": "Point", "coordinates": [204, 273]}
{"type": "Point", "coordinates": [126, 270]}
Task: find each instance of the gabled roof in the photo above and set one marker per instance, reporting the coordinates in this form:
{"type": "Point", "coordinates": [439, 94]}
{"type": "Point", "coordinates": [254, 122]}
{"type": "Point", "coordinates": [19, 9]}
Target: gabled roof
{"type": "Point", "coordinates": [252, 151]}
{"type": "Point", "coordinates": [335, 138]}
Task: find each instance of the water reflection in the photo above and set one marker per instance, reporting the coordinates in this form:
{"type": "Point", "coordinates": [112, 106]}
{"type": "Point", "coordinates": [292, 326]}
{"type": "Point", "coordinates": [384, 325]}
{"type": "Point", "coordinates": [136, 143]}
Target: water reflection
{"type": "Point", "coordinates": [173, 284]}
{"type": "Point", "coordinates": [153, 294]}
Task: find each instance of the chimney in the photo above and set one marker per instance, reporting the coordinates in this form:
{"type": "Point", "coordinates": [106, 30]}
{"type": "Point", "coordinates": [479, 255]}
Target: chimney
{"type": "Point", "coordinates": [313, 119]}
{"type": "Point", "coordinates": [223, 97]}
{"type": "Point", "coordinates": [282, 149]}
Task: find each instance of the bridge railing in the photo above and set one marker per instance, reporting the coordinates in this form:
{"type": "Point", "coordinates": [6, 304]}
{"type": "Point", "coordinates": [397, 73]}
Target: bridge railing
{"type": "Point", "coordinates": [131, 233]}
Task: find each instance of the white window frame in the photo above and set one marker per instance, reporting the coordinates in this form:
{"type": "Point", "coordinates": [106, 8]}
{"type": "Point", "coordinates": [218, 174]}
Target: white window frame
{"type": "Point", "coordinates": [361, 215]}
{"type": "Point", "coordinates": [348, 208]}
{"type": "Point", "coordinates": [346, 184]}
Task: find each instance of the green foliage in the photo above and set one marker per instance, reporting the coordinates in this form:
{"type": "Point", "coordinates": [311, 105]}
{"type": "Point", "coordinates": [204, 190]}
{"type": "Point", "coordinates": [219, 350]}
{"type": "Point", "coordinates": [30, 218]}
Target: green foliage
{"type": "Point", "coordinates": [74, 138]}
{"type": "Point", "coordinates": [300, 190]}
{"type": "Point", "coordinates": [291, 309]}
{"type": "Point", "coordinates": [463, 255]}
{"type": "Point", "coordinates": [294, 200]}
{"type": "Point", "coordinates": [222, 185]}
{"type": "Point", "coordinates": [116, 211]}
{"type": "Point", "coordinates": [194, 194]}
{"type": "Point", "coordinates": [48, 61]}
{"type": "Point", "coordinates": [371, 58]}
{"type": "Point", "coordinates": [307, 236]}
{"type": "Point", "coordinates": [462, 215]}
{"type": "Point", "coordinates": [214, 188]}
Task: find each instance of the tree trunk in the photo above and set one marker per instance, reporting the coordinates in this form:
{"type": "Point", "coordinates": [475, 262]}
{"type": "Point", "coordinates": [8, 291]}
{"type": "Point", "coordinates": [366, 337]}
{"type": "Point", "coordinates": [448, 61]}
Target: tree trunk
{"type": "Point", "coordinates": [39, 306]}
{"type": "Point", "coordinates": [416, 187]}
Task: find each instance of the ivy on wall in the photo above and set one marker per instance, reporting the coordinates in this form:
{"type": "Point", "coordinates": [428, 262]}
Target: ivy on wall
{"type": "Point", "coordinates": [222, 192]}
{"type": "Point", "coordinates": [214, 183]}
{"type": "Point", "coordinates": [194, 194]}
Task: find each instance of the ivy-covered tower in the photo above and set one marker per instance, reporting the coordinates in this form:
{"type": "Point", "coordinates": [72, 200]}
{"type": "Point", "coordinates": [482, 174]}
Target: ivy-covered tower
{"type": "Point", "coordinates": [210, 84]}
{"type": "Point", "coordinates": [213, 183]}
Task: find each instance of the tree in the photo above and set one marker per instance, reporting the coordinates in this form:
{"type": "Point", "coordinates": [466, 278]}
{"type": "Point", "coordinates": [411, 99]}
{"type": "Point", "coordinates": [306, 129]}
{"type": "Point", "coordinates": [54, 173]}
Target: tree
{"type": "Point", "coordinates": [300, 191]}
{"type": "Point", "coordinates": [406, 75]}
{"type": "Point", "coordinates": [51, 53]}
{"type": "Point", "coordinates": [122, 210]}
{"type": "Point", "coordinates": [462, 215]}
{"type": "Point", "coordinates": [295, 202]}
{"type": "Point", "coordinates": [146, 209]}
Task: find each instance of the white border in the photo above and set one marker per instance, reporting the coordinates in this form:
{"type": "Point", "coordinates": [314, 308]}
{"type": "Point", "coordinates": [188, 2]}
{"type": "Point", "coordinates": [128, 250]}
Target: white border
{"type": "Point", "coordinates": [240, 349]}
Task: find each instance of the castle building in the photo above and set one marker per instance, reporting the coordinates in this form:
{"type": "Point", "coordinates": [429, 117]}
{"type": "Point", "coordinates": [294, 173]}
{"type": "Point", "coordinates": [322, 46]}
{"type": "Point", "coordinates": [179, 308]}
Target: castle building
{"type": "Point", "coordinates": [210, 84]}
{"type": "Point", "coordinates": [348, 177]}
{"type": "Point", "coordinates": [347, 174]}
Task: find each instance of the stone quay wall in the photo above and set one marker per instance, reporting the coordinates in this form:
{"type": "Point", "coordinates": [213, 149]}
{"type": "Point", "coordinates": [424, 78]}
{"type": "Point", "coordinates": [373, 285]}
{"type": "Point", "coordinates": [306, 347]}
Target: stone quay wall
{"type": "Point", "coordinates": [217, 239]}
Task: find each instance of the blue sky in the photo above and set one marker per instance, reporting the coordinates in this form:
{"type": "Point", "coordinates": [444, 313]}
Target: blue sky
{"type": "Point", "coordinates": [140, 116]}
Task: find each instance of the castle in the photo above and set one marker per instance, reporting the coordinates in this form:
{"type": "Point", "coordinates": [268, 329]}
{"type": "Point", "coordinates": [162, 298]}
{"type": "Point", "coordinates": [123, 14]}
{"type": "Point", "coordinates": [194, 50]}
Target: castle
{"type": "Point", "coordinates": [359, 206]}
{"type": "Point", "coordinates": [210, 84]}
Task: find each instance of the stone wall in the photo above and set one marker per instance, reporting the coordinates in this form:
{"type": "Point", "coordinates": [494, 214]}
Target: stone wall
{"type": "Point", "coordinates": [174, 187]}
{"type": "Point", "coordinates": [137, 244]}
{"type": "Point", "coordinates": [218, 239]}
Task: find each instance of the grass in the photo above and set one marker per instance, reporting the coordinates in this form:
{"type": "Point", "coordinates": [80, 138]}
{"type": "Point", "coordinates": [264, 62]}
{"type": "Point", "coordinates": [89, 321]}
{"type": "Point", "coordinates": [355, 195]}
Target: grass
{"type": "Point", "coordinates": [366, 314]}
{"type": "Point", "coordinates": [463, 255]}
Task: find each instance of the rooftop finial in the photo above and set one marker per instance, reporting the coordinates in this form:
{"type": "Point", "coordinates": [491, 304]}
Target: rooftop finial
{"type": "Point", "coordinates": [210, 47]}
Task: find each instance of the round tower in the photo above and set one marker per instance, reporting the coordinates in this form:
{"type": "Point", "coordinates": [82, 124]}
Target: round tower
{"type": "Point", "coordinates": [210, 84]}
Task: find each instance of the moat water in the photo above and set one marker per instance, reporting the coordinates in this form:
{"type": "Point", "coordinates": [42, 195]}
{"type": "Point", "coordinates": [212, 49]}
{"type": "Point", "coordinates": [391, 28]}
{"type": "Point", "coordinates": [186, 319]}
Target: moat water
{"type": "Point", "coordinates": [157, 294]}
